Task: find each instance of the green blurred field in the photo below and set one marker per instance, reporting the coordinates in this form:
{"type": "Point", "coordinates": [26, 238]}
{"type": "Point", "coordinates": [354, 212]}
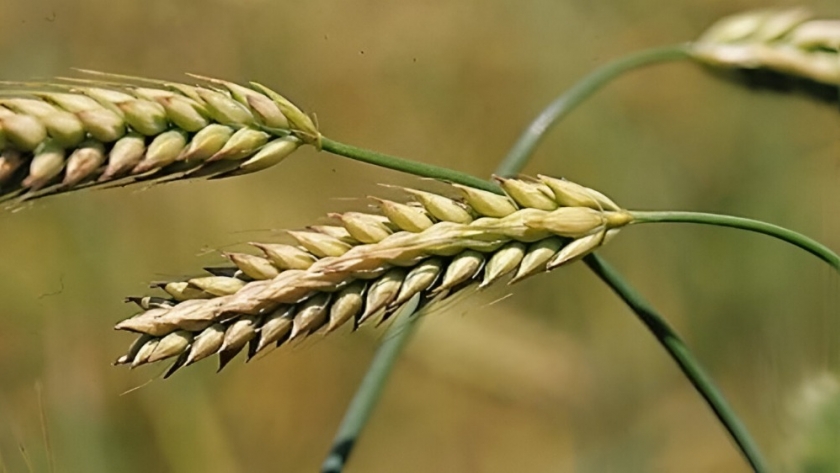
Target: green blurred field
{"type": "Point", "coordinates": [559, 376]}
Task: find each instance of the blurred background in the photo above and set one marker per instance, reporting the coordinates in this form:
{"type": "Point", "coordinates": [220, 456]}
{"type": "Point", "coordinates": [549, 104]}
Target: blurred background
{"type": "Point", "coordinates": [557, 377]}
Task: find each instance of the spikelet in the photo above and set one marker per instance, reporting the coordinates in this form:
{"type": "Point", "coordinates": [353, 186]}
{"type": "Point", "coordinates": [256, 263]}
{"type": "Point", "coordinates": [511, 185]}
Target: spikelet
{"type": "Point", "coordinates": [781, 49]}
{"type": "Point", "coordinates": [368, 266]}
{"type": "Point", "coordinates": [116, 130]}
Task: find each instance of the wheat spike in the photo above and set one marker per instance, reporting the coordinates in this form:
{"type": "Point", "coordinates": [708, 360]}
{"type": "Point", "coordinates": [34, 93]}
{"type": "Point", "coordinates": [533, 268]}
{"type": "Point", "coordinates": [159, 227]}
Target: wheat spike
{"type": "Point", "coordinates": [115, 130]}
{"type": "Point", "coordinates": [370, 265]}
{"type": "Point", "coordinates": [779, 48]}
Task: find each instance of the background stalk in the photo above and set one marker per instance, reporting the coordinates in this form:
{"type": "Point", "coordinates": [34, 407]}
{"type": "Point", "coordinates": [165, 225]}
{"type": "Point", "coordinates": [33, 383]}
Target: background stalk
{"type": "Point", "coordinates": [583, 89]}
{"type": "Point", "coordinates": [397, 335]}
{"type": "Point", "coordinates": [680, 353]}
{"type": "Point", "coordinates": [371, 387]}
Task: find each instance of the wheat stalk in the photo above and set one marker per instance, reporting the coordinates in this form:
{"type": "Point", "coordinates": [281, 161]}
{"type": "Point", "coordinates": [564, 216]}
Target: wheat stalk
{"type": "Point", "coordinates": [115, 130]}
{"type": "Point", "coordinates": [785, 45]}
{"type": "Point", "coordinates": [370, 266]}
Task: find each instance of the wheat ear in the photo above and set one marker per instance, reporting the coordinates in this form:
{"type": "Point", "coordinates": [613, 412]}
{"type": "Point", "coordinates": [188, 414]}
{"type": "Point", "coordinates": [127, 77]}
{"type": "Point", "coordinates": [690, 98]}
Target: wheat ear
{"type": "Point", "coordinates": [371, 265]}
{"type": "Point", "coordinates": [777, 47]}
{"type": "Point", "coordinates": [115, 130]}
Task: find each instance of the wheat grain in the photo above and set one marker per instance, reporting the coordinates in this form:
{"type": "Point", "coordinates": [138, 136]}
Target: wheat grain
{"type": "Point", "coordinates": [116, 130]}
{"type": "Point", "coordinates": [776, 48]}
{"type": "Point", "coordinates": [371, 265]}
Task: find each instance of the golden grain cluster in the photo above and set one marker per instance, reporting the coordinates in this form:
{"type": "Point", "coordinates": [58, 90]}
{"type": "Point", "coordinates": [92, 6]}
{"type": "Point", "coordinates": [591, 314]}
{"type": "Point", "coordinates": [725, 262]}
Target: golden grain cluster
{"type": "Point", "coordinates": [370, 265]}
{"type": "Point", "coordinates": [115, 130]}
{"type": "Point", "coordinates": [787, 42]}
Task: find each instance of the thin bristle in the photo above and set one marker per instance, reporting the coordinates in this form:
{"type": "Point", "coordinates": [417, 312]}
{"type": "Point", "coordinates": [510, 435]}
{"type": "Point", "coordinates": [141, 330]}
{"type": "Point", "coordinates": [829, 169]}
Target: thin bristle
{"type": "Point", "coordinates": [144, 130]}
{"type": "Point", "coordinates": [370, 266]}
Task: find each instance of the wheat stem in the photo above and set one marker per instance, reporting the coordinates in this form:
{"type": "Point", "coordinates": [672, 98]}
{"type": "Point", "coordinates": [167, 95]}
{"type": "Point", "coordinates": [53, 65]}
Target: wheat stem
{"type": "Point", "coordinates": [405, 165]}
{"type": "Point", "coordinates": [370, 389]}
{"type": "Point", "coordinates": [583, 89]}
{"type": "Point", "coordinates": [396, 338]}
{"type": "Point", "coordinates": [680, 353]}
{"type": "Point", "coordinates": [797, 239]}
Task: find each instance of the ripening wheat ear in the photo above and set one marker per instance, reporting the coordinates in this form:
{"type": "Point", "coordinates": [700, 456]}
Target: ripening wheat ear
{"type": "Point", "coordinates": [777, 48]}
{"type": "Point", "coordinates": [75, 133]}
{"type": "Point", "coordinates": [371, 265]}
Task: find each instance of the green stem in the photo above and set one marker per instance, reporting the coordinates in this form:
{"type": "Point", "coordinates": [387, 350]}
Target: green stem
{"type": "Point", "coordinates": [680, 353]}
{"type": "Point", "coordinates": [405, 165]}
{"type": "Point", "coordinates": [370, 390]}
{"type": "Point", "coordinates": [565, 103]}
{"type": "Point", "coordinates": [705, 387]}
{"type": "Point", "coordinates": [775, 231]}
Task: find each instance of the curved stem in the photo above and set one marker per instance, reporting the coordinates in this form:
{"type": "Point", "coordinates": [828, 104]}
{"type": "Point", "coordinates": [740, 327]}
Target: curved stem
{"type": "Point", "coordinates": [680, 353]}
{"type": "Point", "coordinates": [797, 239]}
{"type": "Point", "coordinates": [369, 391]}
{"type": "Point", "coordinates": [398, 334]}
{"type": "Point", "coordinates": [565, 103]}
{"type": "Point", "coordinates": [405, 165]}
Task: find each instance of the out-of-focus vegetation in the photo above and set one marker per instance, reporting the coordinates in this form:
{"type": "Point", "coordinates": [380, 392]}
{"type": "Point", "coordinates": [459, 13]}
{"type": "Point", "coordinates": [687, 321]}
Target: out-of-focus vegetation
{"type": "Point", "coordinates": [557, 377]}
